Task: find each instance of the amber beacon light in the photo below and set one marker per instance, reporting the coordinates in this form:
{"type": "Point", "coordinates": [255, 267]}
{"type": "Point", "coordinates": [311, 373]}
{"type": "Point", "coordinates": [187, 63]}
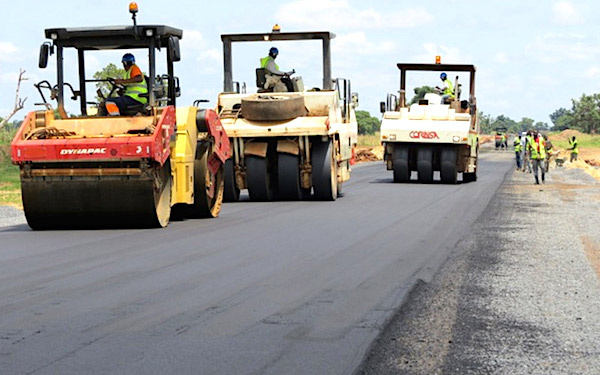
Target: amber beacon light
{"type": "Point", "coordinates": [133, 7]}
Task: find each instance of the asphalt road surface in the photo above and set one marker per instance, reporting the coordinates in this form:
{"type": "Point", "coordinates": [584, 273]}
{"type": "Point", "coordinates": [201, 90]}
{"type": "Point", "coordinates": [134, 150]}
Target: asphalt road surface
{"type": "Point", "coordinates": [267, 288]}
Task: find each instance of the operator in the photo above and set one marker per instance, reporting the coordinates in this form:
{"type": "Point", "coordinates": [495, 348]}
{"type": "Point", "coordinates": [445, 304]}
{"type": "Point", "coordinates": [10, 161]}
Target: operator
{"type": "Point", "coordinates": [503, 141]}
{"type": "Point", "coordinates": [518, 149]}
{"type": "Point", "coordinates": [135, 85]}
{"type": "Point", "coordinates": [537, 151]}
{"type": "Point", "coordinates": [574, 149]}
{"type": "Point", "coordinates": [276, 79]}
{"type": "Point", "coordinates": [447, 90]}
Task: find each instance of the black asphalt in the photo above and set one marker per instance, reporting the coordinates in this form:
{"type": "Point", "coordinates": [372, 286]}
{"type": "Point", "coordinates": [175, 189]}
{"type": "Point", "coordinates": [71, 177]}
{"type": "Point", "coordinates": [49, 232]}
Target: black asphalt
{"type": "Point", "coordinates": [267, 288]}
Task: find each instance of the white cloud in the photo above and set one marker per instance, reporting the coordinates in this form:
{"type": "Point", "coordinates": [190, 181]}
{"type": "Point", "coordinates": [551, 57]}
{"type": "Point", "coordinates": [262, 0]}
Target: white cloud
{"type": "Point", "coordinates": [356, 43]}
{"type": "Point", "coordinates": [593, 72]}
{"type": "Point", "coordinates": [8, 52]}
{"type": "Point", "coordinates": [501, 58]}
{"type": "Point", "coordinates": [553, 48]}
{"type": "Point", "coordinates": [339, 14]}
{"type": "Point", "coordinates": [194, 45]}
{"type": "Point", "coordinates": [565, 13]}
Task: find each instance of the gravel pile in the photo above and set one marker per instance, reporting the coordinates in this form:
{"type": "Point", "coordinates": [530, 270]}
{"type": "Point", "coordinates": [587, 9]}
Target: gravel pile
{"type": "Point", "coordinates": [10, 216]}
{"type": "Point", "coordinates": [521, 295]}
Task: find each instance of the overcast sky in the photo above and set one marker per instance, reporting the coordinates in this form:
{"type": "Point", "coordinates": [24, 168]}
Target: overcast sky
{"type": "Point", "coordinates": [532, 57]}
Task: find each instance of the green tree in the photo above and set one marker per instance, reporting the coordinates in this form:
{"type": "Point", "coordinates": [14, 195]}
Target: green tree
{"type": "Point", "coordinates": [109, 71]}
{"type": "Point", "coordinates": [562, 119]}
{"type": "Point", "coordinates": [485, 123]}
{"type": "Point", "coordinates": [524, 125]}
{"type": "Point", "coordinates": [420, 93]}
{"type": "Point", "coordinates": [586, 113]}
{"type": "Point", "coordinates": [503, 121]}
{"type": "Point", "coordinates": [366, 123]}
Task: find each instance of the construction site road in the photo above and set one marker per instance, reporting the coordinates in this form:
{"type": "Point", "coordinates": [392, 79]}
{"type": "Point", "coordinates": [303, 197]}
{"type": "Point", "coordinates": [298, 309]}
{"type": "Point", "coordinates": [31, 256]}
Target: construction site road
{"type": "Point", "coordinates": [267, 288]}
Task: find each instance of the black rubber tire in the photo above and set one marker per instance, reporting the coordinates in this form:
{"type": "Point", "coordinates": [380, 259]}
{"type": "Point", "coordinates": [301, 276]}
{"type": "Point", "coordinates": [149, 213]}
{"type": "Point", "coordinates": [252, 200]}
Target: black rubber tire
{"type": "Point", "coordinates": [425, 164]}
{"type": "Point", "coordinates": [231, 191]}
{"type": "Point", "coordinates": [448, 165]}
{"type": "Point", "coordinates": [272, 107]}
{"type": "Point", "coordinates": [324, 171]}
{"type": "Point", "coordinates": [400, 163]}
{"type": "Point", "coordinates": [258, 178]}
{"type": "Point", "coordinates": [288, 178]}
{"type": "Point", "coordinates": [205, 206]}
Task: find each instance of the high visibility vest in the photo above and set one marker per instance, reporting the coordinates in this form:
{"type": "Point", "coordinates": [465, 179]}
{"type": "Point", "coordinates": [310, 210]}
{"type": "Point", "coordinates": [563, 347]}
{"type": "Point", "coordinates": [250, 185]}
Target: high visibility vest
{"type": "Point", "coordinates": [134, 90]}
{"type": "Point", "coordinates": [517, 144]}
{"type": "Point", "coordinates": [538, 149]}
{"type": "Point", "coordinates": [503, 138]}
{"type": "Point", "coordinates": [449, 90]}
{"type": "Point", "coordinates": [265, 61]}
{"type": "Point", "coordinates": [575, 149]}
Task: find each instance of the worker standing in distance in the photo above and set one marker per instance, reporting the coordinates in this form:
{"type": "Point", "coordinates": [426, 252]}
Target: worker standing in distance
{"type": "Point", "coordinates": [518, 150]}
{"type": "Point", "coordinates": [503, 142]}
{"type": "Point", "coordinates": [135, 87]}
{"type": "Point", "coordinates": [276, 79]}
{"type": "Point", "coordinates": [447, 89]}
{"type": "Point", "coordinates": [528, 141]}
{"type": "Point", "coordinates": [538, 154]}
{"type": "Point", "coordinates": [574, 149]}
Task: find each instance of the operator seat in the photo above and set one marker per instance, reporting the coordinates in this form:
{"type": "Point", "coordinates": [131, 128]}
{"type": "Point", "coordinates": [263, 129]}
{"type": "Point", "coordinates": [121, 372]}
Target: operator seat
{"type": "Point", "coordinates": [261, 79]}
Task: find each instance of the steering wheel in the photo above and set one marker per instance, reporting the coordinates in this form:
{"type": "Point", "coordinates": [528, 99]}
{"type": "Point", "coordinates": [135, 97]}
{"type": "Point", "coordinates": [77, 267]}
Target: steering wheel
{"type": "Point", "coordinates": [114, 86]}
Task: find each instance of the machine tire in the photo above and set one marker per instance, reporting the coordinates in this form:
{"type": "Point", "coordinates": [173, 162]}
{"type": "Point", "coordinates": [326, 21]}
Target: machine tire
{"type": "Point", "coordinates": [400, 163]}
{"type": "Point", "coordinates": [288, 176]}
{"type": "Point", "coordinates": [272, 107]}
{"type": "Point", "coordinates": [425, 164]}
{"type": "Point", "coordinates": [448, 167]}
{"type": "Point", "coordinates": [324, 171]}
{"type": "Point", "coordinates": [258, 178]}
{"type": "Point", "coordinates": [205, 206]}
{"type": "Point", "coordinates": [231, 191]}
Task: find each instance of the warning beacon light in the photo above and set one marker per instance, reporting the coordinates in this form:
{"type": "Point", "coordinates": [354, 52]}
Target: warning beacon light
{"type": "Point", "coordinates": [276, 28]}
{"type": "Point", "coordinates": [438, 59]}
{"type": "Point", "coordinates": [133, 7]}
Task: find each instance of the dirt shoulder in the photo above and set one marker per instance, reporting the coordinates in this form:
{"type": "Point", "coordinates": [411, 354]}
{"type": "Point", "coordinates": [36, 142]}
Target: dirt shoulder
{"type": "Point", "coordinates": [521, 295]}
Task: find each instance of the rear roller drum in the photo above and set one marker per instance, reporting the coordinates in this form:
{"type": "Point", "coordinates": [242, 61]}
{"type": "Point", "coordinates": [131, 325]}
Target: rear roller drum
{"type": "Point", "coordinates": [425, 164]}
{"type": "Point", "coordinates": [208, 187]}
{"type": "Point", "coordinates": [324, 171]}
{"type": "Point", "coordinates": [448, 168]}
{"type": "Point", "coordinates": [231, 191]}
{"type": "Point", "coordinates": [400, 163]}
{"type": "Point", "coordinates": [258, 178]}
{"type": "Point", "coordinates": [102, 202]}
{"type": "Point", "coordinates": [288, 177]}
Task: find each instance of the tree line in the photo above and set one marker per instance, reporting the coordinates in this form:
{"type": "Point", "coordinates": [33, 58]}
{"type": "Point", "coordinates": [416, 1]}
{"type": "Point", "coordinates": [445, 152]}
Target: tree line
{"type": "Point", "coordinates": [584, 115]}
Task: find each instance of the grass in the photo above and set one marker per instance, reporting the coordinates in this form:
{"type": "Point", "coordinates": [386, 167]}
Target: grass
{"type": "Point", "coordinates": [368, 140]}
{"type": "Point", "coordinates": [583, 140]}
{"type": "Point", "coordinates": [10, 183]}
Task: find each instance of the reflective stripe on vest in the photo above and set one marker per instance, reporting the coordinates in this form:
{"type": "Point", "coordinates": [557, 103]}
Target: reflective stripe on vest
{"type": "Point", "coordinates": [575, 149]}
{"type": "Point", "coordinates": [517, 144]}
{"type": "Point", "coordinates": [265, 61]}
{"type": "Point", "coordinates": [538, 149]}
{"type": "Point", "coordinates": [134, 90]}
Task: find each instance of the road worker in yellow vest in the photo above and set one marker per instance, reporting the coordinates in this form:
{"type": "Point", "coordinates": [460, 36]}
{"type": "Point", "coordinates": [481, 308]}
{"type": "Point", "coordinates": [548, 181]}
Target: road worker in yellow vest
{"type": "Point", "coordinates": [276, 79]}
{"type": "Point", "coordinates": [447, 89]}
{"type": "Point", "coordinates": [527, 159]}
{"type": "Point", "coordinates": [518, 150]}
{"type": "Point", "coordinates": [537, 151]}
{"type": "Point", "coordinates": [135, 87]}
{"type": "Point", "coordinates": [574, 149]}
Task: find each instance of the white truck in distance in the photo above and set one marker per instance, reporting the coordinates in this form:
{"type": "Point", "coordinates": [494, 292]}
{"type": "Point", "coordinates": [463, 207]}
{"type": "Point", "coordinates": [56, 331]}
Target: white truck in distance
{"type": "Point", "coordinates": [429, 136]}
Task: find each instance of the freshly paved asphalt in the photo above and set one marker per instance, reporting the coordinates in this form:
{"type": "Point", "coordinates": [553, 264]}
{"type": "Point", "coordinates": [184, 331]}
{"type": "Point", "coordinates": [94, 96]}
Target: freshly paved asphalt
{"type": "Point", "coordinates": [267, 288]}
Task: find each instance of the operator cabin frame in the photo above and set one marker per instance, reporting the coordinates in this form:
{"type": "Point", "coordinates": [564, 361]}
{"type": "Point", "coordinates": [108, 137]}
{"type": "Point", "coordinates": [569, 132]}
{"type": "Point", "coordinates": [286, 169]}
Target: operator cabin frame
{"type": "Point", "coordinates": [228, 39]}
{"type": "Point", "coordinates": [438, 68]}
{"type": "Point", "coordinates": [148, 37]}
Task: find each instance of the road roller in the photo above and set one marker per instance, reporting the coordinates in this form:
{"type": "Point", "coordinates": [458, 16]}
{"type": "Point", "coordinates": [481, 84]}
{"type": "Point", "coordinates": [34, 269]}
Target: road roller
{"type": "Point", "coordinates": [292, 144]}
{"type": "Point", "coordinates": [151, 162]}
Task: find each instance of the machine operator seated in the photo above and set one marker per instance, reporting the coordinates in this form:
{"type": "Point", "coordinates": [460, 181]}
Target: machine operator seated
{"type": "Point", "coordinates": [135, 95]}
{"type": "Point", "coordinates": [275, 79]}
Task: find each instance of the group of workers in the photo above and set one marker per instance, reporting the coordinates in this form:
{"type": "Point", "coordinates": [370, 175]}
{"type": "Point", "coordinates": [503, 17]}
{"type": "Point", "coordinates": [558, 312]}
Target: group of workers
{"type": "Point", "coordinates": [534, 152]}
